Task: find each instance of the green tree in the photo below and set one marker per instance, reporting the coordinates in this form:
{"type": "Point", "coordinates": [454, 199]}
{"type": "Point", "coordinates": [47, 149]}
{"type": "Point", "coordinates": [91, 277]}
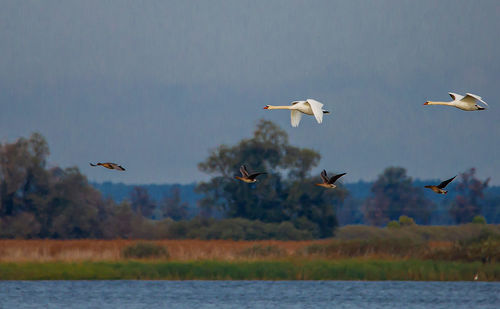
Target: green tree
{"type": "Point", "coordinates": [286, 193]}
{"type": "Point", "coordinates": [74, 207]}
{"type": "Point", "coordinates": [467, 203]}
{"type": "Point", "coordinates": [36, 202]}
{"type": "Point", "coordinates": [393, 195]}
{"type": "Point", "coordinates": [22, 174]}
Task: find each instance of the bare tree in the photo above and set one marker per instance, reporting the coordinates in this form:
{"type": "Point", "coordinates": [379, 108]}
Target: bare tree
{"type": "Point", "coordinates": [141, 202]}
{"type": "Point", "coordinates": [173, 207]}
{"type": "Point", "coordinates": [394, 195]}
{"type": "Point", "coordinates": [467, 203]}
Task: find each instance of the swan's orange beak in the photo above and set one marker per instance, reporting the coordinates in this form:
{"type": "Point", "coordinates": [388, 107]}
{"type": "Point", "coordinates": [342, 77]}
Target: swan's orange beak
{"type": "Point", "coordinates": [266, 107]}
{"type": "Point", "coordinates": [426, 103]}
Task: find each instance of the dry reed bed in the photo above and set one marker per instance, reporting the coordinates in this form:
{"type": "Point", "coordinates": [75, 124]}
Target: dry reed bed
{"type": "Point", "coordinates": [350, 241]}
{"type": "Point", "coordinates": [189, 250]}
{"type": "Point", "coordinates": [110, 250]}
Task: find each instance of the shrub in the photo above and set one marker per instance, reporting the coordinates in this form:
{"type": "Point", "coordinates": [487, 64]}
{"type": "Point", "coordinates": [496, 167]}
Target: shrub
{"type": "Point", "coordinates": [145, 250]}
{"type": "Point", "coordinates": [234, 229]}
{"type": "Point", "coordinates": [396, 247]}
{"type": "Point", "coordinates": [479, 220]}
{"type": "Point", "coordinates": [406, 221]}
{"type": "Point", "coordinates": [485, 248]}
{"type": "Point", "coordinates": [393, 224]}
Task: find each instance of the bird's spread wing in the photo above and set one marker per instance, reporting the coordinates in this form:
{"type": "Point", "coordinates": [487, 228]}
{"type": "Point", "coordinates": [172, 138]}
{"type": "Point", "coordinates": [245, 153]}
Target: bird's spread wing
{"type": "Point", "coordinates": [316, 109]}
{"type": "Point", "coordinates": [253, 175]}
{"type": "Point", "coordinates": [243, 171]}
{"type": "Point", "coordinates": [469, 97]}
{"type": "Point", "coordinates": [445, 183]}
{"type": "Point", "coordinates": [455, 96]}
{"type": "Point", "coordinates": [334, 178]}
{"type": "Point", "coordinates": [295, 117]}
{"type": "Point", "coordinates": [324, 176]}
{"type": "Point", "coordinates": [116, 166]}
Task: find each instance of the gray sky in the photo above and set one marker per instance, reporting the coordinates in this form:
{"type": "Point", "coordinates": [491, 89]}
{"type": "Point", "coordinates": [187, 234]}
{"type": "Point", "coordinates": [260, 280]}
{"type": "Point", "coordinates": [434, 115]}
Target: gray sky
{"type": "Point", "coordinates": [155, 85]}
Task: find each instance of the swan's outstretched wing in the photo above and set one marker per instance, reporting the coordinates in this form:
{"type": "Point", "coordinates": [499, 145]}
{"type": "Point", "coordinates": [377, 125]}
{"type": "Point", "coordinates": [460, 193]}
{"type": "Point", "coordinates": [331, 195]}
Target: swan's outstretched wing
{"type": "Point", "coordinates": [316, 109]}
{"type": "Point", "coordinates": [471, 98]}
{"type": "Point", "coordinates": [455, 96]}
{"type": "Point", "coordinates": [334, 178]}
{"type": "Point", "coordinates": [243, 171]}
{"type": "Point", "coordinates": [445, 183]}
{"type": "Point", "coordinates": [295, 116]}
{"type": "Point", "coordinates": [324, 176]}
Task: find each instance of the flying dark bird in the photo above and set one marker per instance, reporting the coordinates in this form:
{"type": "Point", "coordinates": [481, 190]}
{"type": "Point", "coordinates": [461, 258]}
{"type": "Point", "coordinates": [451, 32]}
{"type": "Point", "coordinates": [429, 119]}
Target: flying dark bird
{"type": "Point", "coordinates": [439, 188]}
{"type": "Point", "coordinates": [247, 177]}
{"type": "Point", "coordinates": [329, 182]}
{"type": "Point", "coordinates": [111, 166]}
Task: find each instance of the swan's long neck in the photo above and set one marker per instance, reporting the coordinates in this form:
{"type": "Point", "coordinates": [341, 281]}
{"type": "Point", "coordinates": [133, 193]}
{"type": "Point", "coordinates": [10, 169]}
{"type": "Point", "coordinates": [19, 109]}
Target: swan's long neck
{"type": "Point", "coordinates": [279, 107]}
{"type": "Point", "coordinates": [440, 103]}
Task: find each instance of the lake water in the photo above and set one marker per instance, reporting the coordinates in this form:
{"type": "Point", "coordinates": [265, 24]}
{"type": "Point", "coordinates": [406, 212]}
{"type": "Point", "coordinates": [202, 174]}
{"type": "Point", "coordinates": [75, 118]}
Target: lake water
{"type": "Point", "coordinates": [248, 294]}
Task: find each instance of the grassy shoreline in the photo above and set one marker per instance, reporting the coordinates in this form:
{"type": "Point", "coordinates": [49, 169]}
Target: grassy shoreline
{"type": "Point", "coordinates": [345, 269]}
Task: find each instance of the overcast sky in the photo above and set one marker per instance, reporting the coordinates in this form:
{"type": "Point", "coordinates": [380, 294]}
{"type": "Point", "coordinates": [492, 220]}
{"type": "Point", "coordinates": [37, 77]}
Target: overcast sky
{"type": "Point", "coordinates": [154, 85]}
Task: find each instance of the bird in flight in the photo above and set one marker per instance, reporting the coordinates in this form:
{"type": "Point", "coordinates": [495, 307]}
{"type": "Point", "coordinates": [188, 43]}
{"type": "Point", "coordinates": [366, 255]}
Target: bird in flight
{"type": "Point", "coordinates": [439, 189]}
{"type": "Point", "coordinates": [308, 107]}
{"type": "Point", "coordinates": [246, 176]}
{"type": "Point", "coordinates": [329, 182]}
{"type": "Point", "coordinates": [111, 166]}
{"type": "Point", "coordinates": [465, 103]}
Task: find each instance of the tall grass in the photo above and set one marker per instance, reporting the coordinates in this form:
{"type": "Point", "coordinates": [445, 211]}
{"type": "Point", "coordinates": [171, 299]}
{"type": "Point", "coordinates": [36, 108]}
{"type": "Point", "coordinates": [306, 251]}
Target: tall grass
{"type": "Point", "coordinates": [451, 233]}
{"type": "Point", "coordinates": [111, 250]}
{"type": "Point", "coordinates": [471, 242]}
{"type": "Point", "coordinates": [353, 269]}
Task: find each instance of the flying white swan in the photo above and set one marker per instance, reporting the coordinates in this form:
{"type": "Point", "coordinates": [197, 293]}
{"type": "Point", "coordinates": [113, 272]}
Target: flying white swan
{"type": "Point", "coordinates": [308, 107]}
{"type": "Point", "coordinates": [465, 103]}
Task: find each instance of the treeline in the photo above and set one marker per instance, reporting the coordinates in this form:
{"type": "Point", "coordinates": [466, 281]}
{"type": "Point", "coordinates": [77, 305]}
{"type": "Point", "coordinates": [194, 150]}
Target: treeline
{"type": "Point", "coordinates": [350, 212]}
{"type": "Point", "coordinates": [288, 192]}
{"type": "Point", "coordinates": [394, 194]}
{"type": "Point", "coordinates": [41, 202]}
{"type": "Point", "coordinates": [37, 201]}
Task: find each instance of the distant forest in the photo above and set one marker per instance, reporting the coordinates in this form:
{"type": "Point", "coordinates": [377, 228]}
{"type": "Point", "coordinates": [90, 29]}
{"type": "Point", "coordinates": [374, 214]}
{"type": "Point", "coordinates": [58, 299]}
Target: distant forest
{"type": "Point", "coordinates": [358, 192]}
{"type": "Point", "coordinates": [37, 201]}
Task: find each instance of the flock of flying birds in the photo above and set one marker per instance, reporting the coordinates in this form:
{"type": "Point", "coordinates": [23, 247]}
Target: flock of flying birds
{"type": "Point", "coordinates": [469, 102]}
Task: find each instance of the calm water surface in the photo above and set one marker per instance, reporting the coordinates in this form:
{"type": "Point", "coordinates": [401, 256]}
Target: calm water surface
{"type": "Point", "coordinates": [248, 294]}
